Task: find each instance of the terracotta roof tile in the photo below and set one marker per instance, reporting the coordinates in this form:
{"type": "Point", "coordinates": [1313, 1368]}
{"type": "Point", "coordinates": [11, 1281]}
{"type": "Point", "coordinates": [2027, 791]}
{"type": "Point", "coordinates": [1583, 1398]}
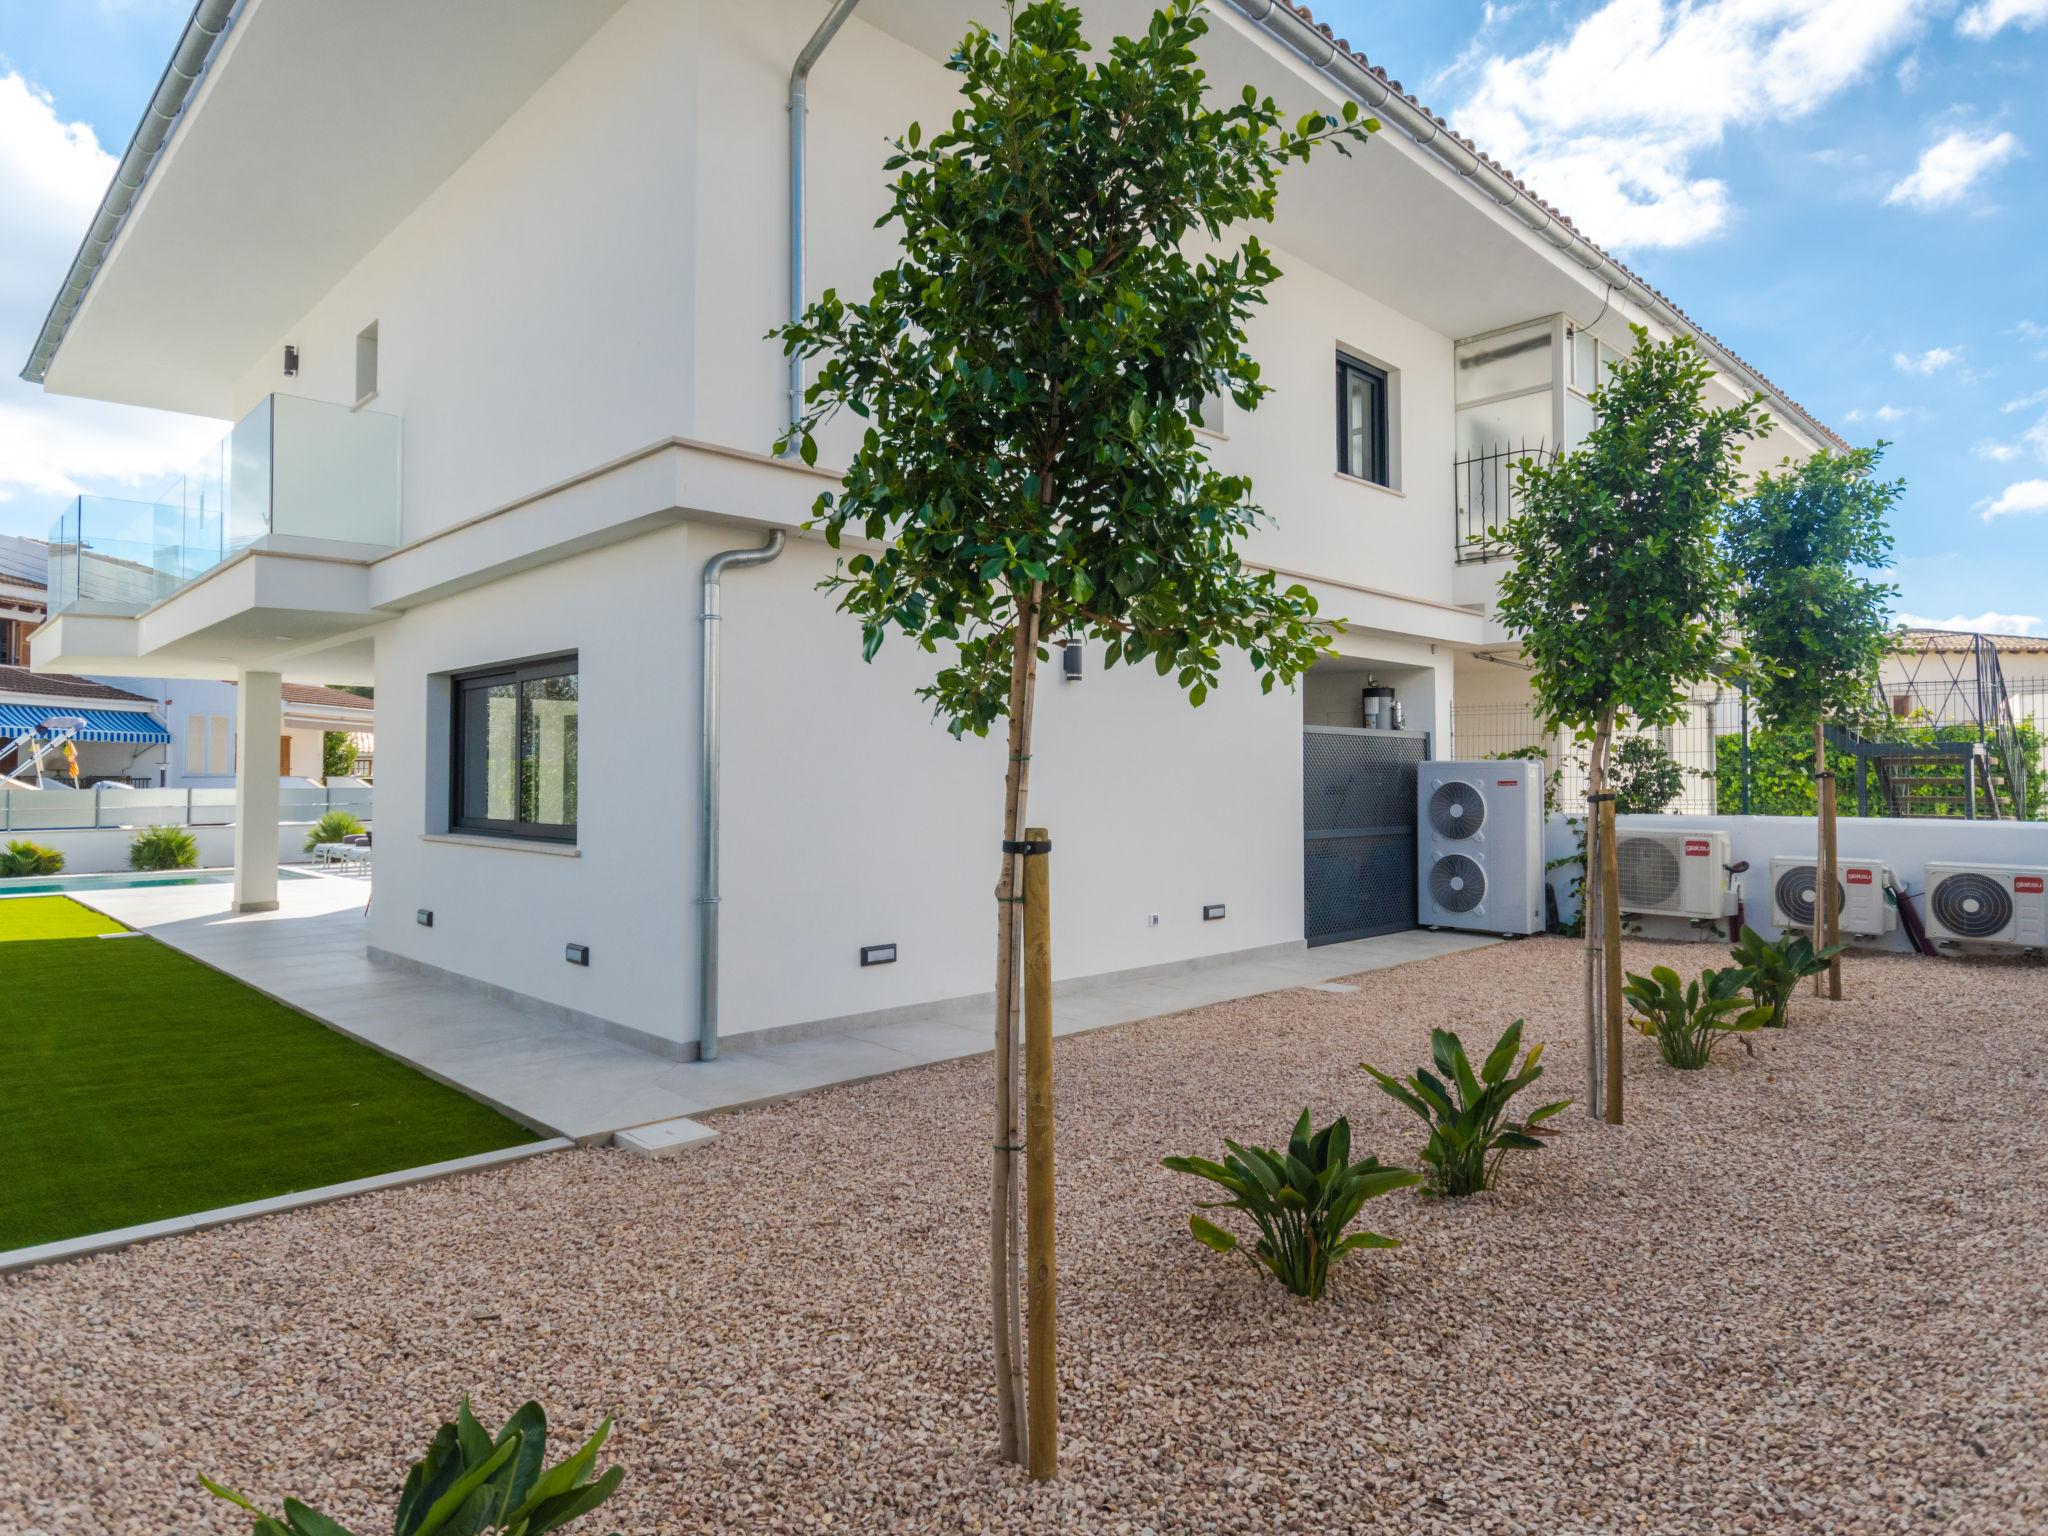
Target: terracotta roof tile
{"type": "Point", "coordinates": [57, 685]}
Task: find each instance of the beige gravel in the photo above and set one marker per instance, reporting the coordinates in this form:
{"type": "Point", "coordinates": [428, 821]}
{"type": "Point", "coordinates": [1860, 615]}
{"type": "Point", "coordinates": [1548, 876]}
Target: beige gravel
{"type": "Point", "coordinates": [1799, 1292]}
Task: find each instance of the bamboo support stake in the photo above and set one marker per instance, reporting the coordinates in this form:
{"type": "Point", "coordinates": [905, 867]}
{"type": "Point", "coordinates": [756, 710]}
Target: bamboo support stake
{"type": "Point", "coordinates": [1041, 1354]}
{"type": "Point", "coordinates": [1003, 1309]}
{"type": "Point", "coordinates": [1834, 894]}
{"type": "Point", "coordinates": [1610, 938]}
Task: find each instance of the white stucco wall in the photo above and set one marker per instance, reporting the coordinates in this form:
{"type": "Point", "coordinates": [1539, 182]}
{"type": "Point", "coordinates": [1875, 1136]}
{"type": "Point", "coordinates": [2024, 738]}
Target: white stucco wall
{"type": "Point", "coordinates": [851, 817]}
{"type": "Point", "coordinates": [1907, 844]}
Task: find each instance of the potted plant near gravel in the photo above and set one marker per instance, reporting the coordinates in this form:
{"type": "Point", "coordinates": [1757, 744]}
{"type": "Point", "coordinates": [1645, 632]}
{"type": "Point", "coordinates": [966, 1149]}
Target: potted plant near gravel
{"type": "Point", "coordinates": [1466, 1111]}
{"type": "Point", "coordinates": [1301, 1199]}
{"type": "Point", "coordinates": [474, 1482]}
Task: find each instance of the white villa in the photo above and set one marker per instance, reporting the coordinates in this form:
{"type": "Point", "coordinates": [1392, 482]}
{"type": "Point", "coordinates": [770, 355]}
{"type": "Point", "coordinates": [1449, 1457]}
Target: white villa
{"type": "Point", "coordinates": [483, 285]}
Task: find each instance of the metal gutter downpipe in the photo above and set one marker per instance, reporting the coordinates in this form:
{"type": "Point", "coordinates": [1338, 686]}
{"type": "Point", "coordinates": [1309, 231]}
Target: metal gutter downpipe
{"type": "Point", "coordinates": [707, 788]}
{"type": "Point", "coordinates": [799, 116]}
{"type": "Point", "coordinates": [1308, 41]}
{"type": "Point", "coordinates": [209, 19]}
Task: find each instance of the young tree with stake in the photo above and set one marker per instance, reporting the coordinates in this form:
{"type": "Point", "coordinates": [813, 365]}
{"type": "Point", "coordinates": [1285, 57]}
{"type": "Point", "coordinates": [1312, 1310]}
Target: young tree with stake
{"type": "Point", "coordinates": [1072, 284]}
{"type": "Point", "coordinates": [1817, 630]}
{"type": "Point", "coordinates": [1617, 593]}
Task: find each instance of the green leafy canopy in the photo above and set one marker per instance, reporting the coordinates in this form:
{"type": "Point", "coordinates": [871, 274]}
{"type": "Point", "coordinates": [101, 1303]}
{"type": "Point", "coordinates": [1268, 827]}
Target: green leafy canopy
{"type": "Point", "coordinates": [1071, 285]}
{"type": "Point", "coordinates": [1817, 626]}
{"type": "Point", "coordinates": [1618, 587]}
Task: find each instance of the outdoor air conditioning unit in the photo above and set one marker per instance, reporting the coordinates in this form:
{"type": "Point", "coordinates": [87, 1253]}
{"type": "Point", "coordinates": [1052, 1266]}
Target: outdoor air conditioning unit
{"type": "Point", "coordinates": [1479, 846]}
{"type": "Point", "coordinates": [1987, 904]}
{"type": "Point", "coordinates": [1672, 874]}
{"type": "Point", "coordinates": [1860, 895]}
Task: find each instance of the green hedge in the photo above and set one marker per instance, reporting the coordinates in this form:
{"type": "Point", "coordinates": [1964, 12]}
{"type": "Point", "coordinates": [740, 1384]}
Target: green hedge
{"type": "Point", "coordinates": [1781, 770]}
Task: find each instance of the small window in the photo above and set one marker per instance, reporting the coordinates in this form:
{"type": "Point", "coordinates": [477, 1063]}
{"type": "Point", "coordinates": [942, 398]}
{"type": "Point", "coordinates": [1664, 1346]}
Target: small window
{"type": "Point", "coordinates": [366, 362]}
{"type": "Point", "coordinates": [514, 735]}
{"type": "Point", "coordinates": [1362, 421]}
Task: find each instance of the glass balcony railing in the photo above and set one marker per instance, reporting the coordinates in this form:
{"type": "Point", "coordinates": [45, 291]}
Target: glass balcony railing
{"type": "Point", "coordinates": [291, 468]}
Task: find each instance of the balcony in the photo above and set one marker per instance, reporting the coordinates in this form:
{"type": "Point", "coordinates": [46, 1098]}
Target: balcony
{"type": "Point", "coordinates": [292, 469]}
{"type": "Point", "coordinates": [1484, 488]}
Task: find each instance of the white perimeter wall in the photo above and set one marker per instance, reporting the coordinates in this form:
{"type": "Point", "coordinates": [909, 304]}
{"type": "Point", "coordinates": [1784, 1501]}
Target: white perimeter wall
{"type": "Point", "coordinates": [851, 817]}
{"type": "Point", "coordinates": [99, 850]}
{"type": "Point", "coordinates": [1907, 844]}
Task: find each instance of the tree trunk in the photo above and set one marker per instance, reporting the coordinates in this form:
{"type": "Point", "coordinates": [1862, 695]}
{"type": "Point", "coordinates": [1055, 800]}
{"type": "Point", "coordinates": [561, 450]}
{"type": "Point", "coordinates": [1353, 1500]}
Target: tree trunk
{"type": "Point", "coordinates": [1610, 930]}
{"type": "Point", "coordinates": [1827, 909]}
{"type": "Point", "coordinates": [1005, 1319]}
{"type": "Point", "coordinates": [1589, 929]}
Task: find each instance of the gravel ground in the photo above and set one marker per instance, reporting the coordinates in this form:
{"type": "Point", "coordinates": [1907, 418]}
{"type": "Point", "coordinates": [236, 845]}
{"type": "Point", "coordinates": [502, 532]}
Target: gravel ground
{"type": "Point", "coordinates": [1805, 1291]}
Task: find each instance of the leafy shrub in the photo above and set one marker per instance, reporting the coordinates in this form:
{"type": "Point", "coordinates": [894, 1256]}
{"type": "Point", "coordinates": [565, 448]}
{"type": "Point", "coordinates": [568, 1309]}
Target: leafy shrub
{"type": "Point", "coordinates": [1776, 969]}
{"type": "Point", "coordinates": [337, 755]}
{"type": "Point", "coordinates": [25, 858]}
{"type": "Point", "coordinates": [1644, 776]}
{"type": "Point", "coordinates": [1302, 1200]}
{"type": "Point", "coordinates": [1688, 1022]}
{"type": "Point", "coordinates": [472, 1481]}
{"type": "Point", "coordinates": [332, 828]}
{"type": "Point", "coordinates": [1469, 1132]}
{"type": "Point", "coordinates": [163, 848]}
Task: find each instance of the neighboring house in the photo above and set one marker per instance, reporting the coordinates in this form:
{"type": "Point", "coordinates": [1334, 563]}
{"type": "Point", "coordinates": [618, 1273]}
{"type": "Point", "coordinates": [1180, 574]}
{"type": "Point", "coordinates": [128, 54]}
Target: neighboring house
{"type": "Point", "coordinates": [24, 596]}
{"type": "Point", "coordinates": [531, 238]}
{"type": "Point", "coordinates": [1951, 676]}
{"type": "Point", "coordinates": [310, 712]}
{"type": "Point", "coordinates": [116, 734]}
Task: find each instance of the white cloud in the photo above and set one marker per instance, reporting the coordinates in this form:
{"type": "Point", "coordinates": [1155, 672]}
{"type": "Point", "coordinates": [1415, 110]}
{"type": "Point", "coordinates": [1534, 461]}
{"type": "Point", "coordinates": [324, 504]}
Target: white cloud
{"type": "Point", "coordinates": [1908, 73]}
{"type": "Point", "coordinates": [1608, 122]}
{"type": "Point", "coordinates": [2025, 402]}
{"type": "Point", "coordinates": [51, 176]}
{"type": "Point", "coordinates": [1933, 360]}
{"type": "Point", "coordinates": [1987, 18]}
{"type": "Point", "coordinates": [1982, 624]}
{"type": "Point", "coordinates": [1951, 165]}
{"type": "Point", "coordinates": [1998, 453]}
{"type": "Point", "coordinates": [1891, 413]}
{"type": "Point", "coordinates": [2023, 498]}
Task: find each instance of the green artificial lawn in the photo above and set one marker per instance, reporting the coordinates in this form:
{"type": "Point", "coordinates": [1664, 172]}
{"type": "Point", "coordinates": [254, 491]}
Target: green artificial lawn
{"type": "Point", "coordinates": [136, 1084]}
{"type": "Point", "coordinates": [51, 917]}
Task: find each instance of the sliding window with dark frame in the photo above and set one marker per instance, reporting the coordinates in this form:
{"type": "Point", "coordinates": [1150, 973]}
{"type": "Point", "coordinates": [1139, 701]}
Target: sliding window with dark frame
{"type": "Point", "coordinates": [514, 750]}
{"type": "Point", "coordinates": [1362, 421]}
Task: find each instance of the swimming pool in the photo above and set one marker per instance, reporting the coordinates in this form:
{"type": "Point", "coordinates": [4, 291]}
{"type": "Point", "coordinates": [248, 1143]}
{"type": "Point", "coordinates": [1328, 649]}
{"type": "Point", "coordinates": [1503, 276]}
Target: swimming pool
{"type": "Point", "coordinates": [59, 884]}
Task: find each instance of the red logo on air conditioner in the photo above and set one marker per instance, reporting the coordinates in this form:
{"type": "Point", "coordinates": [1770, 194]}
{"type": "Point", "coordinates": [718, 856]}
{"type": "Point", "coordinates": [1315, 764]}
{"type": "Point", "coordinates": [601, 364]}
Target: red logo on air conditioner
{"type": "Point", "coordinates": [1860, 876]}
{"type": "Point", "coordinates": [1697, 847]}
{"type": "Point", "coordinates": [2029, 885]}
{"type": "Point", "coordinates": [1507, 783]}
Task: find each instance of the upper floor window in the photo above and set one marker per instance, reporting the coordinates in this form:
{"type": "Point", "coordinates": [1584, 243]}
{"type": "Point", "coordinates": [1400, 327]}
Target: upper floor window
{"type": "Point", "coordinates": [1362, 421]}
{"type": "Point", "coordinates": [515, 746]}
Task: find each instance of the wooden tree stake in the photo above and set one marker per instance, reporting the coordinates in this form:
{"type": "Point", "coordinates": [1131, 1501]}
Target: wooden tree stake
{"type": "Point", "coordinates": [1041, 1354]}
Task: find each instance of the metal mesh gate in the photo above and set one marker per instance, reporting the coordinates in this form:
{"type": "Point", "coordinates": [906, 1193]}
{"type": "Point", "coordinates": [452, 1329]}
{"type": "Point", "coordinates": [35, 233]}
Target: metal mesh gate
{"type": "Point", "coordinates": [1358, 831]}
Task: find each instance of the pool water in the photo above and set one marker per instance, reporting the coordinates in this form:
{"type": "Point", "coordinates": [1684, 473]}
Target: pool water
{"type": "Point", "coordinates": [60, 884]}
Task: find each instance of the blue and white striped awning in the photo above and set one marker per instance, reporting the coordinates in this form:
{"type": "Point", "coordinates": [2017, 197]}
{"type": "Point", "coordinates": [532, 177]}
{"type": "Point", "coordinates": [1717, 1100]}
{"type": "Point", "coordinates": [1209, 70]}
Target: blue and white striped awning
{"type": "Point", "coordinates": [129, 725]}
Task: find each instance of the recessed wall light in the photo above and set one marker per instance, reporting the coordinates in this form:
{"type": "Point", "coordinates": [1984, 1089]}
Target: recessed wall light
{"type": "Point", "coordinates": [878, 954]}
{"type": "Point", "coordinates": [577, 954]}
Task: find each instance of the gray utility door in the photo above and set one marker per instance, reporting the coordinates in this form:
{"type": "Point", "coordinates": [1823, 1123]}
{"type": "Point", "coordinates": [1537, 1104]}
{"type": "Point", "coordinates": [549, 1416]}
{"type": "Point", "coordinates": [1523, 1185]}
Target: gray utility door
{"type": "Point", "coordinates": [1358, 831]}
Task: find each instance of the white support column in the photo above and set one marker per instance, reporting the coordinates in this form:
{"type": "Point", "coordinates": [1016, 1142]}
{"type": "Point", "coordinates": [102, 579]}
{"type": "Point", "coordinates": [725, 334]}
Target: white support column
{"type": "Point", "coordinates": [259, 721]}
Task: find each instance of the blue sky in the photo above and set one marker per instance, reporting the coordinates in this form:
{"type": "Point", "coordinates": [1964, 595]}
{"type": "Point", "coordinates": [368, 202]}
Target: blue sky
{"type": "Point", "coordinates": [1847, 192]}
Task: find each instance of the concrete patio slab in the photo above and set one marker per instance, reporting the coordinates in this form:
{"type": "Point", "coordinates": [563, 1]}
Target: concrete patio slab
{"type": "Point", "coordinates": [567, 1081]}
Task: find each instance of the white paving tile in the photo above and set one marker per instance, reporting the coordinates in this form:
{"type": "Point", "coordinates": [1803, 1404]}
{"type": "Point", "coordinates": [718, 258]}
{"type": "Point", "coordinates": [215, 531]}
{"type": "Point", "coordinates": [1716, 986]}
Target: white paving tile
{"type": "Point", "coordinates": [568, 1081]}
